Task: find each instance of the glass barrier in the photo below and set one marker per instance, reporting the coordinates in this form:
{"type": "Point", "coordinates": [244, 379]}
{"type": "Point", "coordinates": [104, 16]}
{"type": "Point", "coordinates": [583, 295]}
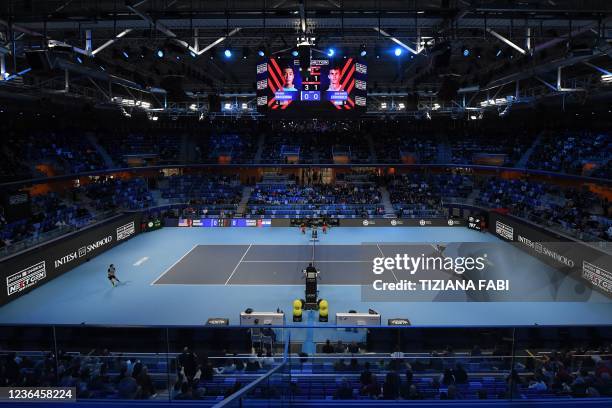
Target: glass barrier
{"type": "Point", "coordinates": [42, 237]}
{"type": "Point", "coordinates": [231, 366]}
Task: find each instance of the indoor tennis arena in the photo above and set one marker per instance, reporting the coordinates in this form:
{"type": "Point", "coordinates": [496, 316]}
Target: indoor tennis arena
{"type": "Point", "coordinates": [306, 203]}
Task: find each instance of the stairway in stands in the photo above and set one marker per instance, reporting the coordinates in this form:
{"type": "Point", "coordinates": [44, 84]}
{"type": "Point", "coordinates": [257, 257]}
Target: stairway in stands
{"type": "Point", "coordinates": [246, 194]}
{"type": "Point", "coordinates": [386, 201]}
{"type": "Point", "coordinates": [373, 156]}
{"type": "Point", "coordinates": [187, 149]}
{"type": "Point", "coordinates": [260, 147]}
{"type": "Point", "coordinates": [522, 163]}
{"type": "Point", "coordinates": [445, 153]}
{"type": "Point", "coordinates": [108, 161]}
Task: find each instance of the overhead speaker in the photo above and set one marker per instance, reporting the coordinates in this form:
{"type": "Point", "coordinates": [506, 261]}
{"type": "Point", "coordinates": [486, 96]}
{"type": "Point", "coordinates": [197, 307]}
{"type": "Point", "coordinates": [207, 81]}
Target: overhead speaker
{"type": "Point", "coordinates": [304, 55]}
{"type": "Point", "coordinates": [39, 60]}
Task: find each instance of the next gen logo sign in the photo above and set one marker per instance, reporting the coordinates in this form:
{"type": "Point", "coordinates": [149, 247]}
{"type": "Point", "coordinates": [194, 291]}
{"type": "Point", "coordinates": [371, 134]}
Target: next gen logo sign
{"type": "Point", "coordinates": [125, 231]}
{"type": "Point", "coordinates": [82, 251]}
{"type": "Point", "coordinates": [504, 231]}
{"type": "Point", "coordinates": [25, 278]}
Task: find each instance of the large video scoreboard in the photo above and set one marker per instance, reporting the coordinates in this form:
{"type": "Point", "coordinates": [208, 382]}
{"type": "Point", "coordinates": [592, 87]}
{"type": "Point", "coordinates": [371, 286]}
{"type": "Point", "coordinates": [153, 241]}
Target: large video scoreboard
{"type": "Point", "coordinates": [326, 86]}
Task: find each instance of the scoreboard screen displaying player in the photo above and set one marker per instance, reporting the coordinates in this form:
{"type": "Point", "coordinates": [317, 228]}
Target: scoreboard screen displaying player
{"type": "Point", "coordinates": [334, 87]}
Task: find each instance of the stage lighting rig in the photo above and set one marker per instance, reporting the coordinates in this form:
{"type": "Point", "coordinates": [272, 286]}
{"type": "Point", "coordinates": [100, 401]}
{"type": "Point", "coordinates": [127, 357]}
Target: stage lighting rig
{"type": "Point", "coordinates": [304, 41]}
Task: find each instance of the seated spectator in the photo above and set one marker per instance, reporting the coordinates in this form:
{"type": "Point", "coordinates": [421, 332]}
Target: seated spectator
{"type": "Point", "coordinates": [448, 377]}
{"type": "Point", "coordinates": [538, 384]}
{"type": "Point", "coordinates": [453, 393]}
{"type": "Point", "coordinates": [344, 390]}
{"type": "Point", "coordinates": [391, 386]}
{"type": "Point", "coordinates": [127, 387]}
{"type": "Point", "coordinates": [461, 376]}
{"type": "Point", "coordinates": [186, 392]}
{"type": "Point", "coordinates": [328, 348]}
{"type": "Point", "coordinates": [340, 365]}
{"type": "Point", "coordinates": [413, 393]}
{"type": "Point", "coordinates": [365, 378]}
{"type": "Point", "coordinates": [227, 368]}
{"type": "Point", "coordinates": [145, 384]}
{"type": "Point", "coordinates": [189, 362]}
{"type": "Point", "coordinates": [513, 385]}
{"type": "Point", "coordinates": [372, 390]}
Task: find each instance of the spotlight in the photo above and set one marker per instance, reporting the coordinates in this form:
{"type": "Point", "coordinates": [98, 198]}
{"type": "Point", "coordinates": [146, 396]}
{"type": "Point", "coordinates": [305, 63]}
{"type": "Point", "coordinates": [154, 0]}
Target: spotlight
{"type": "Point", "coordinates": [466, 52]}
{"type": "Point", "coordinates": [363, 50]}
{"type": "Point", "coordinates": [295, 53]}
{"type": "Point", "coordinates": [193, 54]}
{"type": "Point", "coordinates": [79, 59]}
{"type": "Point", "coordinates": [498, 53]}
{"type": "Point", "coordinates": [261, 53]}
{"type": "Point", "coordinates": [160, 53]}
{"type": "Point", "coordinates": [126, 55]}
{"type": "Point", "coordinates": [398, 52]}
{"type": "Point", "coordinates": [331, 52]}
{"type": "Point", "coordinates": [227, 53]}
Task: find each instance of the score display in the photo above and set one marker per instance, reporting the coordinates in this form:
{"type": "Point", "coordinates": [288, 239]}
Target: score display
{"type": "Point", "coordinates": [327, 86]}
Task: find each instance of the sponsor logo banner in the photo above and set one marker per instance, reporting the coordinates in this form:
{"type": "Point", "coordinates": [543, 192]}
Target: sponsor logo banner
{"type": "Point", "coordinates": [360, 100]}
{"type": "Point", "coordinates": [474, 223]}
{"type": "Point", "coordinates": [82, 251]}
{"type": "Point", "coordinates": [541, 248]}
{"type": "Point", "coordinates": [400, 222]}
{"type": "Point", "coordinates": [263, 84]}
{"type": "Point", "coordinates": [597, 275]}
{"type": "Point", "coordinates": [504, 231]}
{"type": "Point", "coordinates": [262, 68]}
{"type": "Point", "coordinates": [584, 265]}
{"type": "Point", "coordinates": [125, 231]}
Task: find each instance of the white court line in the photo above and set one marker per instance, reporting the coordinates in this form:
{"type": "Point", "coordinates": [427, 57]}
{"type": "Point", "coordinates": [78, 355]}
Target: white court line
{"type": "Point", "coordinates": [140, 261]}
{"type": "Point", "coordinates": [383, 255]}
{"type": "Point", "coordinates": [172, 266]}
{"type": "Point", "coordinates": [238, 264]}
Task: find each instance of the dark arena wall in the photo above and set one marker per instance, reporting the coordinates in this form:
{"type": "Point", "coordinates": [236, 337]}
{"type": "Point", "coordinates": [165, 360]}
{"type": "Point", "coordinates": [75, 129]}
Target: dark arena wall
{"type": "Point", "coordinates": [580, 260]}
{"type": "Point", "coordinates": [28, 270]}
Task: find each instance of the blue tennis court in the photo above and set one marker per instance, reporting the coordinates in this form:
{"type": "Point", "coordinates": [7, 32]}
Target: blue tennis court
{"type": "Point", "coordinates": [178, 276]}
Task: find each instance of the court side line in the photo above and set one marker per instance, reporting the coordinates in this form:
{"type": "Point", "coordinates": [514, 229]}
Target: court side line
{"type": "Point", "coordinates": [383, 255]}
{"type": "Point", "coordinates": [172, 266]}
{"type": "Point", "coordinates": [238, 264]}
{"type": "Point", "coordinates": [141, 261]}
